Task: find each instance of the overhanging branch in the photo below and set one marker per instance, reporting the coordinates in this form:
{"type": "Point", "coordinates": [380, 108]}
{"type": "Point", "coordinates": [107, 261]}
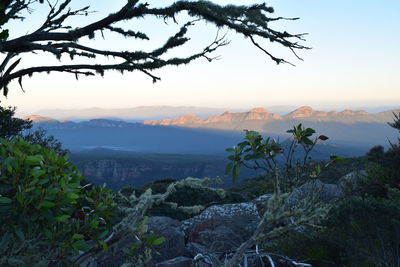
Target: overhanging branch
{"type": "Point", "coordinates": [55, 38]}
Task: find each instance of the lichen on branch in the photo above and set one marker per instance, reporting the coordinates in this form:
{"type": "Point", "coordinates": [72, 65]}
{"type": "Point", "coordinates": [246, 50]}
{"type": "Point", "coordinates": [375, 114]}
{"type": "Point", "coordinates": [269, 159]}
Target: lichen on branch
{"type": "Point", "coordinates": [56, 37]}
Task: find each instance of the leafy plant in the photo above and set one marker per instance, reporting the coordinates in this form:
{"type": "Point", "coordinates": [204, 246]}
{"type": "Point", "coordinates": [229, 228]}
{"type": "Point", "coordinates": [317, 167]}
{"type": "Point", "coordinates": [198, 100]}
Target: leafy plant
{"type": "Point", "coordinates": [45, 211]}
{"type": "Point", "coordinates": [281, 216]}
{"type": "Point", "coordinates": [385, 172]}
{"type": "Point", "coordinates": [140, 251]}
{"type": "Point", "coordinates": [256, 152]}
{"type": "Point", "coordinates": [40, 137]}
{"type": "Point", "coordinates": [360, 231]}
{"type": "Point", "coordinates": [10, 126]}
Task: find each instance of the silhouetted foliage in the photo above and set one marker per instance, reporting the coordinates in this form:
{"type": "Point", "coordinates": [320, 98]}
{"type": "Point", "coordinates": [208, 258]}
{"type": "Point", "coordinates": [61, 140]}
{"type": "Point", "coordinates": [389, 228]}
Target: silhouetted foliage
{"type": "Point", "coordinates": [363, 229]}
{"type": "Point", "coordinates": [56, 37]}
{"type": "Point", "coordinates": [41, 138]}
{"type": "Point", "coordinates": [376, 154]}
{"type": "Point", "coordinates": [10, 126]}
{"type": "Point", "coordinates": [360, 231]}
{"type": "Point", "coordinates": [45, 211]}
{"type": "Point", "coordinates": [386, 174]}
{"type": "Point", "coordinates": [396, 123]}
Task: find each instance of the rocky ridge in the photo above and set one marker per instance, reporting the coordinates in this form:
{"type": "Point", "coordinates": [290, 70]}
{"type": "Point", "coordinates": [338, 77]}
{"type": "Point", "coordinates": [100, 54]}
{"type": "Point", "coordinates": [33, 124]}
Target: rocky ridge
{"type": "Point", "coordinates": [254, 114]}
{"type": "Point", "coordinates": [260, 114]}
{"type": "Point", "coordinates": [215, 232]}
{"type": "Point", "coordinates": [304, 113]}
{"type": "Point", "coordinates": [39, 119]}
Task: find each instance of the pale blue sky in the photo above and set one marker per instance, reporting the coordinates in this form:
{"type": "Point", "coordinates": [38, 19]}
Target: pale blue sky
{"type": "Point", "coordinates": [355, 62]}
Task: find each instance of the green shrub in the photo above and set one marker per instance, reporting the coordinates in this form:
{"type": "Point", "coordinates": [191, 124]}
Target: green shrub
{"type": "Point", "coordinates": [265, 153]}
{"type": "Point", "coordinates": [360, 231]}
{"type": "Point", "coordinates": [384, 171]}
{"type": "Point", "coordinates": [10, 127]}
{"type": "Point", "coordinates": [45, 211]}
{"type": "Point", "coordinates": [186, 196]}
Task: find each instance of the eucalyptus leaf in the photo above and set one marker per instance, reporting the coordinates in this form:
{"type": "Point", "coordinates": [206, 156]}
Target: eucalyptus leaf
{"type": "Point", "coordinates": [5, 200]}
{"type": "Point", "coordinates": [47, 204]}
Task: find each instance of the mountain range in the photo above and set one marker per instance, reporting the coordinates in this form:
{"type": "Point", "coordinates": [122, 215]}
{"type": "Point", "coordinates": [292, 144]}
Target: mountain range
{"type": "Point", "coordinates": [352, 131]}
{"type": "Point", "coordinates": [127, 114]}
{"type": "Point", "coordinates": [120, 153]}
{"type": "Point", "coordinates": [159, 112]}
{"type": "Point", "coordinates": [305, 113]}
{"type": "Point", "coordinates": [348, 127]}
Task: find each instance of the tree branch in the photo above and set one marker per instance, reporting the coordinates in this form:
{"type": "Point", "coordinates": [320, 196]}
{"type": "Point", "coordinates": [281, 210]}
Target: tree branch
{"type": "Point", "coordinates": [56, 38]}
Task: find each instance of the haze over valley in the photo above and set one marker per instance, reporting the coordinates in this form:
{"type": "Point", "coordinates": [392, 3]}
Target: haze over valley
{"type": "Point", "coordinates": [210, 135]}
{"type": "Point", "coordinates": [121, 152]}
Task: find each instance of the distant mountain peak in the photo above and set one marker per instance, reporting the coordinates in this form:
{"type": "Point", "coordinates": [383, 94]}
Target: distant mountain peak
{"type": "Point", "coordinates": [186, 119]}
{"type": "Point", "coordinates": [38, 118]}
{"type": "Point", "coordinates": [190, 116]}
{"type": "Point", "coordinates": [305, 108]}
{"type": "Point", "coordinates": [304, 112]}
{"type": "Point", "coordinates": [258, 110]}
{"type": "Point", "coordinates": [259, 114]}
{"type": "Point", "coordinates": [353, 112]}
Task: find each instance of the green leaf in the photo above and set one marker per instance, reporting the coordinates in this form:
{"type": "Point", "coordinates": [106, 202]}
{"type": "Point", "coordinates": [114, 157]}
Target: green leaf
{"type": "Point", "coordinates": [72, 195]}
{"type": "Point", "coordinates": [78, 236]}
{"type": "Point", "coordinates": [154, 240]}
{"type": "Point", "coordinates": [34, 181]}
{"type": "Point", "coordinates": [37, 172]}
{"type": "Point", "coordinates": [337, 159]}
{"type": "Point", "coordinates": [62, 218]}
{"type": "Point", "coordinates": [20, 198]}
{"type": "Point", "coordinates": [46, 204]}
{"type": "Point", "coordinates": [308, 142]}
{"type": "Point", "coordinates": [94, 223]}
{"type": "Point", "coordinates": [5, 200]}
{"type": "Point", "coordinates": [43, 181]}
{"type": "Point", "coordinates": [235, 173]}
{"type": "Point", "coordinates": [229, 168]}
{"type": "Point", "coordinates": [103, 234]}
{"type": "Point", "coordinates": [81, 245]}
{"type": "Point", "coordinates": [34, 160]}
{"type": "Point", "coordinates": [103, 245]}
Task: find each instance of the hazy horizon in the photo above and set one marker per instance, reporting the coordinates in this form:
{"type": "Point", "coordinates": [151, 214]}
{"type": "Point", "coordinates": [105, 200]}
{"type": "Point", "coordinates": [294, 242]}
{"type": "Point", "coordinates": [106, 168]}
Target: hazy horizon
{"type": "Point", "coordinates": [21, 112]}
{"type": "Point", "coordinates": [345, 68]}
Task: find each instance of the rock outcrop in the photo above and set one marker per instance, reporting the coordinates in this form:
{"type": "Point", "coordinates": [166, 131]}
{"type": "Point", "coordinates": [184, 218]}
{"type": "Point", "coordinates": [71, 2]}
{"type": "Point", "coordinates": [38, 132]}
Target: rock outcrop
{"type": "Point", "coordinates": [39, 119]}
{"type": "Point", "coordinates": [325, 192]}
{"type": "Point", "coordinates": [187, 119]}
{"type": "Point", "coordinates": [222, 227]}
{"type": "Point", "coordinates": [231, 117]}
{"type": "Point", "coordinates": [260, 114]}
{"type": "Point", "coordinates": [216, 231]}
{"type": "Point", "coordinates": [347, 115]}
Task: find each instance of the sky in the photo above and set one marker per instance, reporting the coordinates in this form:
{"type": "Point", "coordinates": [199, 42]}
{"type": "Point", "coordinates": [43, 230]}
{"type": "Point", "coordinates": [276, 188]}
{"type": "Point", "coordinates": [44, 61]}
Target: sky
{"type": "Point", "coordinates": [354, 62]}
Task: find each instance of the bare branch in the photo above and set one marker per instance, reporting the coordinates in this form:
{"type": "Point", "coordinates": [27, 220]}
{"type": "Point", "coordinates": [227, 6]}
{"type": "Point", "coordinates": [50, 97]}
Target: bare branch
{"type": "Point", "coordinates": [53, 37]}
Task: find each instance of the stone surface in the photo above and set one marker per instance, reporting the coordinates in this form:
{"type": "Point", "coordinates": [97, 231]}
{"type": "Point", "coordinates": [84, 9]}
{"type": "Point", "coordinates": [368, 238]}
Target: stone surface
{"type": "Point", "coordinates": [325, 192]}
{"type": "Point", "coordinates": [174, 245]}
{"type": "Point", "coordinates": [196, 248]}
{"type": "Point", "coordinates": [216, 230]}
{"type": "Point", "coordinates": [176, 262]}
{"type": "Point", "coordinates": [349, 182]}
{"type": "Point", "coordinates": [261, 203]}
{"type": "Point", "coordinates": [221, 239]}
{"type": "Point", "coordinates": [241, 218]}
